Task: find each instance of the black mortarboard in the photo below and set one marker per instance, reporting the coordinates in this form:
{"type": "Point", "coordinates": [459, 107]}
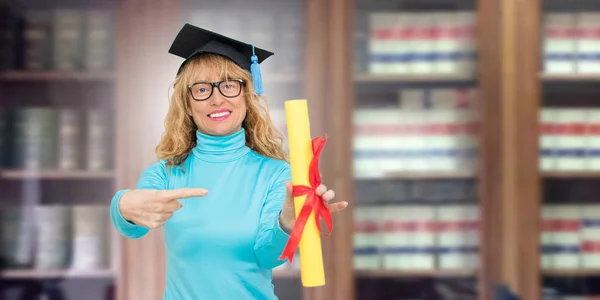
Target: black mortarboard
{"type": "Point", "coordinates": [192, 41]}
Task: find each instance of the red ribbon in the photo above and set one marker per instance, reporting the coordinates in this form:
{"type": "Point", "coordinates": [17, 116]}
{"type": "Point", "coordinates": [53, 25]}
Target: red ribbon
{"type": "Point", "coordinates": [313, 202]}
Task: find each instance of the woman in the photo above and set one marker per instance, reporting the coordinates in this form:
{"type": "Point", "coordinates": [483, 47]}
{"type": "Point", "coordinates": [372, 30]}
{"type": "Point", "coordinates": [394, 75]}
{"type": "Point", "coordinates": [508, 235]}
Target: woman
{"type": "Point", "coordinates": [221, 189]}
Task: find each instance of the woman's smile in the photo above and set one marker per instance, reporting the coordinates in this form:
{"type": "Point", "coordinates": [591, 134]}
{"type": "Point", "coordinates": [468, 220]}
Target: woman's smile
{"type": "Point", "coordinates": [220, 114]}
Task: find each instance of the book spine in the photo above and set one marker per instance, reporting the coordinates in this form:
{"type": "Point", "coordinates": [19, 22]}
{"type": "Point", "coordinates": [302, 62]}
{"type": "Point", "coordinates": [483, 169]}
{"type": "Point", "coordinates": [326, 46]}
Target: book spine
{"type": "Point", "coordinates": [593, 152]}
{"type": "Point", "coordinates": [98, 151]}
{"type": "Point", "coordinates": [37, 39]}
{"type": "Point", "coordinates": [547, 236]}
{"type": "Point", "coordinates": [395, 225]}
{"type": "Point", "coordinates": [571, 139]}
{"type": "Point", "coordinates": [367, 239]}
{"type": "Point", "coordinates": [98, 40]}
{"type": "Point", "coordinates": [588, 43]}
{"type": "Point", "coordinates": [424, 45]}
{"type": "Point", "coordinates": [548, 139]}
{"type": "Point", "coordinates": [590, 236]}
{"type": "Point", "coordinates": [68, 32]}
{"type": "Point", "coordinates": [559, 43]}
{"type": "Point", "coordinates": [567, 237]}
{"type": "Point", "coordinates": [69, 137]}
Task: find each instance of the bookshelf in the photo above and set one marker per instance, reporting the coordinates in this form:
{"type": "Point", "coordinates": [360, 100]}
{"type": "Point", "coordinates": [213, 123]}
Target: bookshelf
{"type": "Point", "coordinates": [44, 274]}
{"type": "Point", "coordinates": [82, 175]}
{"type": "Point", "coordinates": [414, 274]}
{"type": "Point", "coordinates": [399, 78]}
{"type": "Point", "coordinates": [57, 82]}
{"type": "Point", "coordinates": [411, 151]}
{"type": "Point", "coordinates": [568, 107]}
{"type": "Point", "coordinates": [56, 76]}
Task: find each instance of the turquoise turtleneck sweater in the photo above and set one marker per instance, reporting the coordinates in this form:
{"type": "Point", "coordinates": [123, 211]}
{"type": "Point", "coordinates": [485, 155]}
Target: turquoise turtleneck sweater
{"type": "Point", "coordinates": [224, 245]}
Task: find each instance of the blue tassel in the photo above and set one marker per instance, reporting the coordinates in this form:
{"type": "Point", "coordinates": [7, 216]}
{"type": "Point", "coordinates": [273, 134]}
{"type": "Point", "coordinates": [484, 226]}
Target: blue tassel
{"type": "Point", "coordinates": [256, 75]}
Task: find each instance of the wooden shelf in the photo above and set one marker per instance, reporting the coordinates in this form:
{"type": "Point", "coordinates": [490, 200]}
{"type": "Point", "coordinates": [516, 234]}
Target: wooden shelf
{"type": "Point", "coordinates": [415, 273]}
{"type": "Point", "coordinates": [571, 272]}
{"type": "Point", "coordinates": [41, 274]}
{"type": "Point", "coordinates": [58, 174]}
{"type": "Point", "coordinates": [419, 175]}
{"type": "Point", "coordinates": [55, 76]}
{"type": "Point", "coordinates": [570, 77]}
{"type": "Point", "coordinates": [571, 174]}
{"type": "Point", "coordinates": [413, 78]}
{"type": "Point", "coordinates": [286, 273]}
{"type": "Point", "coordinates": [282, 78]}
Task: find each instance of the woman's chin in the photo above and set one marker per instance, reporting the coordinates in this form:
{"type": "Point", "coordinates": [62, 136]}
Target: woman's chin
{"type": "Point", "coordinates": [221, 130]}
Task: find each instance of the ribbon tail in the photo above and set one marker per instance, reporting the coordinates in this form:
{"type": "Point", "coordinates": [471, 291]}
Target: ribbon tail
{"type": "Point", "coordinates": [326, 215]}
{"type": "Point", "coordinates": [294, 240]}
{"type": "Point", "coordinates": [315, 204]}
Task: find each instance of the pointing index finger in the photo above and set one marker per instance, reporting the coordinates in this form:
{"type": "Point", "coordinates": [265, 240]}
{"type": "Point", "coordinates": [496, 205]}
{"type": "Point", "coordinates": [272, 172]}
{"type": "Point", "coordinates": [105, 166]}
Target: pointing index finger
{"type": "Point", "coordinates": [182, 193]}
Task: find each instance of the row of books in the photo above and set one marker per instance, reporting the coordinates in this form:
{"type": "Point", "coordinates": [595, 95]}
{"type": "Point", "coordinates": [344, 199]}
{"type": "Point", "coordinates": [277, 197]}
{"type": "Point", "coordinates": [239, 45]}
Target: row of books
{"type": "Point", "coordinates": [570, 139]}
{"type": "Point", "coordinates": [446, 237]}
{"type": "Point", "coordinates": [55, 237]}
{"type": "Point", "coordinates": [401, 192]}
{"type": "Point", "coordinates": [277, 29]}
{"type": "Point", "coordinates": [46, 138]}
{"type": "Point", "coordinates": [430, 130]}
{"type": "Point", "coordinates": [570, 237]}
{"type": "Point", "coordinates": [416, 43]}
{"type": "Point", "coordinates": [416, 237]}
{"type": "Point", "coordinates": [571, 43]}
{"type": "Point", "coordinates": [569, 296]}
{"type": "Point", "coordinates": [58, 39]}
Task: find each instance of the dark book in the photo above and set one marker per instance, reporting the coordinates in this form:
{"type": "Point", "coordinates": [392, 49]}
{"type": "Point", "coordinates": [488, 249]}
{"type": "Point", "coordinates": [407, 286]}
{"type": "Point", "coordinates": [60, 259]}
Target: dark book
{"type": "Point", "coordinates": [37, 39]}
{"type": "Point", "coordinates": [3, 137]}
{"type": "Point", "coordinates": [9, 42]}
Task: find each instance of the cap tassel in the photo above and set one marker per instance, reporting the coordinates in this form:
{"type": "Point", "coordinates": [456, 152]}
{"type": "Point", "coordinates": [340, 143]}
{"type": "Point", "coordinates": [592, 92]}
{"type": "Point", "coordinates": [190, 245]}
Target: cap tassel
{"type": "Point", "coordinates": [256, 75]}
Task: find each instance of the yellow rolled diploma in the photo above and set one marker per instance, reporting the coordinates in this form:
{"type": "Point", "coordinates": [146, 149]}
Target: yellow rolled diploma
{"type": "Point", "coordinates": [300, 147]}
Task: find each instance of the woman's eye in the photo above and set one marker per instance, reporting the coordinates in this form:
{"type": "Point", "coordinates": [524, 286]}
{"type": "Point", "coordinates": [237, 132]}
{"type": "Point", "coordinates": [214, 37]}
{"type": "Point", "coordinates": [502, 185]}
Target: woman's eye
{"type": "Point", "coordinates": [201, 90]}
{"type": "Point", "coordinates": [229, 86]}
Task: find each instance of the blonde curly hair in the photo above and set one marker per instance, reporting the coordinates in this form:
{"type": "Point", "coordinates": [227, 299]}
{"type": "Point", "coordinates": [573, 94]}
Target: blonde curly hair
{"type": "Point", "coordinates": [179, 137]}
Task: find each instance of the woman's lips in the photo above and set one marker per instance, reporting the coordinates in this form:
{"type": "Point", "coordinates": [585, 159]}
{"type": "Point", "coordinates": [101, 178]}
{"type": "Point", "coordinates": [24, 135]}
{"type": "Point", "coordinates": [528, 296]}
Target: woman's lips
{"type": "Point", "coordinates": [220, 115]}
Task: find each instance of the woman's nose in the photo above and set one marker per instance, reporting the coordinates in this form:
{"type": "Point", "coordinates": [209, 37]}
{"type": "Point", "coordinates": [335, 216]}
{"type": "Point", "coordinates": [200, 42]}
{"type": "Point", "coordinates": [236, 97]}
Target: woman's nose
{"type": "Point", "coordinates": [216, 99]}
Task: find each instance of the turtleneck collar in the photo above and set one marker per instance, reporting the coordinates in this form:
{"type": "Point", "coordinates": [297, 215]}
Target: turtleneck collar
{"type": "Point", "coordinates": [220, 148]}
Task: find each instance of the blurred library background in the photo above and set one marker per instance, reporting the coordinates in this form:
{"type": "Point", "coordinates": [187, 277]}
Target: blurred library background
{"type": "Point", "coordinates": [465, 135]}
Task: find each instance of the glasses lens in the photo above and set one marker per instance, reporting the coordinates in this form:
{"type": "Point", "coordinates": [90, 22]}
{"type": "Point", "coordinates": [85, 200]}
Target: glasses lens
{"type": "Point", "coordinates": [230, 88]}
{"type": "Point", "coordinates": [201, 91]}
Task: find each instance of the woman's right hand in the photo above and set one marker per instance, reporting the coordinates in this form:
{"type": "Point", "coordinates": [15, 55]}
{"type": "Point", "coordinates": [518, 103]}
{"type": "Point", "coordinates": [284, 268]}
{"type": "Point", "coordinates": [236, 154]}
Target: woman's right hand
{"type": "Point", "coordinates": [152, 208]}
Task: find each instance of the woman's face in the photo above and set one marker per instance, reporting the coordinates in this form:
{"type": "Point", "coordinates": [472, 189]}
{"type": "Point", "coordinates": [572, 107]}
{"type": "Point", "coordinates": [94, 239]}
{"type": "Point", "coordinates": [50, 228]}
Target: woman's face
{"type": "Point", "coordinates": [218, 115]}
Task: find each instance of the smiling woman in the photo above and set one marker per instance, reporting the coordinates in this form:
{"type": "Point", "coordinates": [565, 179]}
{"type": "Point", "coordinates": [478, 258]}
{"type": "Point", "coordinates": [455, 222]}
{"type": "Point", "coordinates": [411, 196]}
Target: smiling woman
{"type": "Point", "coordinates": [221, 187]}
{"type": "Point", "coordinates": [223, 112]}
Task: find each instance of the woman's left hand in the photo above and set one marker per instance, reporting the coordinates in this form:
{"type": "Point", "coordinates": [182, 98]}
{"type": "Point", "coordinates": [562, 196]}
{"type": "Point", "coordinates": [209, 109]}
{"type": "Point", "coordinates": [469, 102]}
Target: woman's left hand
{"type": "Point", "coordinates": [287, 218]}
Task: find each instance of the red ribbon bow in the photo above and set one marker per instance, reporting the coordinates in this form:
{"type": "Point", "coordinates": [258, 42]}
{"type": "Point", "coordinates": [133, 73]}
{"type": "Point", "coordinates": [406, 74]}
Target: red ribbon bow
{"type": "Point", "coordinates": [312, 203]}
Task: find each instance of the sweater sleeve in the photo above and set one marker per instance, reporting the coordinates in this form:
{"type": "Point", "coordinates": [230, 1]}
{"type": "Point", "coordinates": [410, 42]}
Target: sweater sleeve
{"type": "Point", "coordinates": [271, 238]}
{"type": "Point", "coordinates": [154, 177]}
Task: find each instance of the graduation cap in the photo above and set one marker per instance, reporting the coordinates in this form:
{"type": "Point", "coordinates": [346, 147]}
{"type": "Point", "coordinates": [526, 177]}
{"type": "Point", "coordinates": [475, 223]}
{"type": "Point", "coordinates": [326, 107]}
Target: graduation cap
{"type": "Point", "coordinates": [192, 41]}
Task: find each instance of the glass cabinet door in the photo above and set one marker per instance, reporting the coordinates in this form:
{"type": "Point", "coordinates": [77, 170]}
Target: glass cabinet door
{"type": "Point", "coordinates": [570, 149]}
{"type": "Point", "coordinates": [415, 150]}
{"type": "Point", "coordinates": [279, 27]}
{"type": "Point", "coordinates": [56, 149]}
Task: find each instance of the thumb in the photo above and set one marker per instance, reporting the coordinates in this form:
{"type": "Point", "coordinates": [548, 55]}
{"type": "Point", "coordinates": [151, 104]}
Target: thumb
{"type": "Point", "coordinates": [288, 204]}
{"type": "Point", "coordinates": [290, 191]}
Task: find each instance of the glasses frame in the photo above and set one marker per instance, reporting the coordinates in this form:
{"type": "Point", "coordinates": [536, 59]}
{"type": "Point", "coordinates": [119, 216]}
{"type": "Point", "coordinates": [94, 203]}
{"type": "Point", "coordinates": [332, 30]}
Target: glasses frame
{"type": "Point", "coordinates": [214, 85]}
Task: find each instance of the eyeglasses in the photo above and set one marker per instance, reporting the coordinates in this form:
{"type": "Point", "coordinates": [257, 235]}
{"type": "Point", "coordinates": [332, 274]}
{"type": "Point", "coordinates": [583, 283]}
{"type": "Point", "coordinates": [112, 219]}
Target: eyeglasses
{"type": "Point", "coordinates": [201, 91]}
